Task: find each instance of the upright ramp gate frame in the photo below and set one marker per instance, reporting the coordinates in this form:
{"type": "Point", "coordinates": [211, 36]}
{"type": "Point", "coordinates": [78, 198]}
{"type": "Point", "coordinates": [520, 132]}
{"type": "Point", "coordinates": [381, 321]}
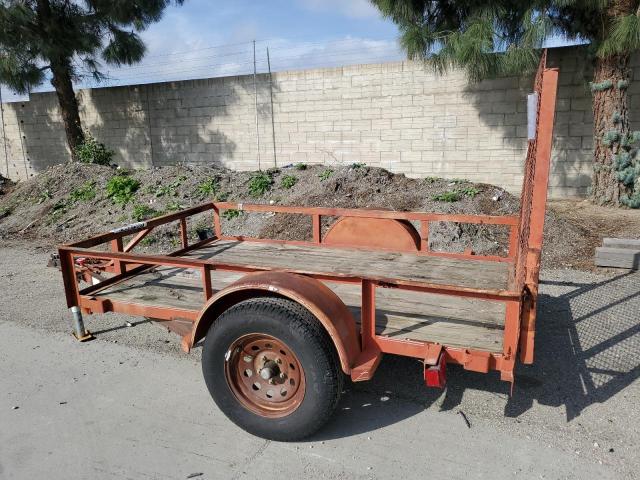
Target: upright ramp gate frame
{"type": "Point", "coordinates": [350, 238]}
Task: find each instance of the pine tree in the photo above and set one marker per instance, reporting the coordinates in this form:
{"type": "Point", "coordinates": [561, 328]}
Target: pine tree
{"type": "Point", "coordinates": [62, 39]}
{"type": "Point", "coordinates": [499, 37]}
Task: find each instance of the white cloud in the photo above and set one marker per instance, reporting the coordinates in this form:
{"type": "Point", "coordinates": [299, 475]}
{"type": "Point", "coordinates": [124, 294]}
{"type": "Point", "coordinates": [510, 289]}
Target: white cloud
{"type": "Point", "coordinates": [350, 8]}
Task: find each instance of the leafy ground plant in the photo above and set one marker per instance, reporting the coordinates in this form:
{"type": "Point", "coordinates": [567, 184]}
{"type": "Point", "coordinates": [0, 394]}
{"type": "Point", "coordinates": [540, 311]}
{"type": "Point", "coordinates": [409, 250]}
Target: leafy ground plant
{"type": "Point", "coordinates": [92, 151]}
{"type": "Point", "coordinates": [142, 212]}
{"type": "Point", "coordinates": [300, 166]}
{"type": "Point", "coordinates": [170, 190]}
{"type": "Point", "coordinates": [121, 189]}
{"type": "Point", "coordinates": [208, 188]}
{"type": "Point", "coordinates": [469, 191]}
{"type": "Point", "coordinates": [288, 181]}
{"type": "Point", "coordinates": [231, 214]}
{"type": "Point", "coordinates": [325, 174]}
{"type": "Point", "coordinates": [448, 196]}
{"type": "Point", "coordinates": [84, 193]}
{"type": "Point", "coordinates": [259, 184]}
{"type": "Point", "coordinates": [174, 206]}
{"type": "Point", "coordinates": [43, 196]}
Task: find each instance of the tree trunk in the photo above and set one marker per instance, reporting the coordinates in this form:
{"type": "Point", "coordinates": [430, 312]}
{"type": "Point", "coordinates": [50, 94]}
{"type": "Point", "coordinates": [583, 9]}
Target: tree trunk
{"type": "Point", "coordinates": [61, 81]}
{"type": "Point", "coordinates": [610, 114]}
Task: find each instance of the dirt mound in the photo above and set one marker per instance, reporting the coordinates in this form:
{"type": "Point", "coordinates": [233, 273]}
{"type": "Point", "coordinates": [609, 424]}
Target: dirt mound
{"type": "Point", "coordinates": [72, 201]}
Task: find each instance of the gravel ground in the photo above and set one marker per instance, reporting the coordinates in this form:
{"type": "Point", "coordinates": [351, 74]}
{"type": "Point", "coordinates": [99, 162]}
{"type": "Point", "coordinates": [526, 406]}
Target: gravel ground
{"type": "Point", "coordinates": [581, 397]}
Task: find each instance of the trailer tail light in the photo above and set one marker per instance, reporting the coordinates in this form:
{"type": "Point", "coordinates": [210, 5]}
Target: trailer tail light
{"type": "Point", "coordinates": [436, 375]}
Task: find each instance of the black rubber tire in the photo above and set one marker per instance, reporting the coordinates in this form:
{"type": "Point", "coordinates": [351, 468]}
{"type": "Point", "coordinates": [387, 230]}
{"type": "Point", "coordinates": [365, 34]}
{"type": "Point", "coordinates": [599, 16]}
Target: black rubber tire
{"type": "Point", "coordinates": [304, 334]}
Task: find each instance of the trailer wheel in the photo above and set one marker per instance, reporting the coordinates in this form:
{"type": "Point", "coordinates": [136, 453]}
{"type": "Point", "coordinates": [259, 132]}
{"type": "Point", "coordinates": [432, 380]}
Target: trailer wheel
{"type": "Point", "coordinates": [272, 368]}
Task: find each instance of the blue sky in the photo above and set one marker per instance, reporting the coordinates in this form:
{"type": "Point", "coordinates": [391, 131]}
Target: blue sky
{"type": "Point", "coordinates": [205, 38]}
{"type": "Point", "coordinates": [208, 38]}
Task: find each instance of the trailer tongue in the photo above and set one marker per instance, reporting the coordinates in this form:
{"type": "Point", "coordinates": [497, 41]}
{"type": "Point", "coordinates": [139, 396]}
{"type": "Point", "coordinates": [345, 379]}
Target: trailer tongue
{"type": "Point", "coordinates": [284, 321]}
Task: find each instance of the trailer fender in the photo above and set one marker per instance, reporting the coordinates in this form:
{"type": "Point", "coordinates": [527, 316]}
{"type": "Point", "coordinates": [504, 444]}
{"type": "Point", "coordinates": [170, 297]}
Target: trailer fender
{"type": "Point", "coordinates": [312, 294]}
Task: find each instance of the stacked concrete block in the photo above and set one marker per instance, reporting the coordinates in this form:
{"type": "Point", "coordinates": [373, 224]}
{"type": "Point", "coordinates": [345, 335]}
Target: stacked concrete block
{"type": "Point", "coordinates": [401, 116]}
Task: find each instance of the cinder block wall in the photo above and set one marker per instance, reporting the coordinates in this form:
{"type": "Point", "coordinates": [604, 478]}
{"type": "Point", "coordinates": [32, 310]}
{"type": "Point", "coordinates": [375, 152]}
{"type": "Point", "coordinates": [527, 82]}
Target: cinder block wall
{"type": "Point", "coordinates": [399, 116]}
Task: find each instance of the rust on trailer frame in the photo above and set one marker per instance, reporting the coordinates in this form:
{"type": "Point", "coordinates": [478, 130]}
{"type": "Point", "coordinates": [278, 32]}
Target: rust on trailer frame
{"type": "Point", "coordinates": [312, 294]}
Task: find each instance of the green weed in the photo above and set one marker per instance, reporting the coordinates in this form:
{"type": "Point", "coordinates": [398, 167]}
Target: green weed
{"type": "Point", "coordinates": [84, 193]}
{"type": "Point", "coordinates": [448, 196]}
{"type": "Point", "coordinates": [358, 165]}
{"type": "Point", "coordinates": [170, 190]}
{"type": "Point", "coordinates": [92, 151]}
{"type": "Point", "coordinates": [469, 191]}
{"type": "Point", "coordinates": [208, 188]}
{"type": "Point", "coordinates": [221, 197]}
{"type": "Point", "coordinates": [174, 206]}
{"type": "Point", "coordinates": [325, 174]}
{"type": "Point", "coordinates": [142, 212]}
{"type": "Point", "coordinates": [231, 214]}
{"type": "Point", "coordinates": [288, 181]}
{"type": "Point", "coordinates": [300, 166]}
{"type": "Point", "coordinates": [259, 184]}
{"type": "Point", "coordinates": [458, 181]}
{"type": "Point", "coordinates": [121, 189]}
{"type": "Point", "coordinates": [148, 241]}
{"type": "Point", "coordinates": [43, 196]}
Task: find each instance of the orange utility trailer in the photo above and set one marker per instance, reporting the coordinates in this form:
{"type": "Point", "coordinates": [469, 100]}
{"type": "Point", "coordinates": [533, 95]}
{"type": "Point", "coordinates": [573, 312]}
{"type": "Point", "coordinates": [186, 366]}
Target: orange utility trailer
{"type": "Point", "coordinates": [283, 322]}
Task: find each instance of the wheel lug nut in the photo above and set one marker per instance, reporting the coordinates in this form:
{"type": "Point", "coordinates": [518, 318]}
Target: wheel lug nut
{"type": "Point", "coordinates": [279, 361]}
{"type": "Point", "coordinates": [248, 358]}
{"type": "Point", "coordinates": [282, 375]}
{"type": "Point", "coordinates": [271, 381]}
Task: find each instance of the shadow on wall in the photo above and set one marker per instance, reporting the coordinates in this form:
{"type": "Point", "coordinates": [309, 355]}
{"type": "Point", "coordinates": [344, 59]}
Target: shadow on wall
{"type": "Point", "coordinates": [43, 136]}
{"type": "Point", "coordinates": [587, 347]}
{"type": "Point", "coordinates": [172, 122]}
{"type": "Point", "coordinates": [501, 105]}
{"type": "Point", "coordinates": [198, 122]}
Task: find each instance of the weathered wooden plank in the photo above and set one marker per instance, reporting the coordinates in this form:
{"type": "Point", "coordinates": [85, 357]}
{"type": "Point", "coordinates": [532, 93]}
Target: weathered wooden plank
{"type": "Point", "coordinates": [401, 266]}
{"type": "Point", "coordinates": [631, 243]}
{"type": "Point", "coordinates": [446, 319]}
{"type": "Point", "coordinates": [617, 257]}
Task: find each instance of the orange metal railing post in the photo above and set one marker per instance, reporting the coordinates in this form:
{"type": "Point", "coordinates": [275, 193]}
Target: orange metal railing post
{"type": "Point", "coordinates": [368, 314]}
{"type": "Point", "coordinates": [206, 282]}
{"type": "Point", "coordinates": [116, 246]}
{"type": "Point", "coordinates": [538, 208]}
{"type": "Point", "coordinates": [184, 236]}
{"type": "Point", "coordinates": [424, 235]}
{"type": "Point", "coordinates": [317, 229]}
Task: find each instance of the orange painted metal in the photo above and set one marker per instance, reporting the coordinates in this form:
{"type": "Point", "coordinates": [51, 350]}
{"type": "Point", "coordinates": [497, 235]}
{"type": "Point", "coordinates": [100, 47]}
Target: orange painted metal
{"type": "Point", "coordinates": [206, 282]}
{"type": "Point", "coordinates": [184, 236]}
{"type": "Point", "coordinates": [312, 294]}
{"type": "Point", "coordinates": [135, 240]}
{"type": "Point", "coordinates": [357, 229]}
{"type": "Point", "coordinates": [387, 233]}
{"type": "Point", "coordinates": [257, 354]}
{"type": "Point", "coordinates": [533, 205]}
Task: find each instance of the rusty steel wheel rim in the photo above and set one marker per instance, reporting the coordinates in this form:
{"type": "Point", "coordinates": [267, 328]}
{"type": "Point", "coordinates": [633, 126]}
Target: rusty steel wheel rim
{"type": "Point", "coordinates": [265, 375]}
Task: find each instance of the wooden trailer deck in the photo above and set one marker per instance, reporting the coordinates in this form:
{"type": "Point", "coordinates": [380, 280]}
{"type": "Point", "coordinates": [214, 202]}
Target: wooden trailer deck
{"type": "Point", "coordinates": [446, 319]}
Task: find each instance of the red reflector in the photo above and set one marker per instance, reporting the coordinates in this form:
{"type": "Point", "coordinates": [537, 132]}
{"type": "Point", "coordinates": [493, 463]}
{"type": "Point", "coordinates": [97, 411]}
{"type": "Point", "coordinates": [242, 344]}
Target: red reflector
{"type": "Point", "coordinates": [436, 375]}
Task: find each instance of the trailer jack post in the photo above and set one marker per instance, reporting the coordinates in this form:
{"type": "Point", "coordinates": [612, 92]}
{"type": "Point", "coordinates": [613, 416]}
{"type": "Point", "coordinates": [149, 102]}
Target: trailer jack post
{"type": "Point", "coordinates": [81, 334]}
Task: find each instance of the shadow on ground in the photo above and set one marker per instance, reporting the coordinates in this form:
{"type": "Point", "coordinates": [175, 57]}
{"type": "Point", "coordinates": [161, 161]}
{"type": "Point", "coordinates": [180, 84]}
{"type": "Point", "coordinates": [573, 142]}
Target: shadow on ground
{"type": "Point", "coordinates": [587, 350]}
